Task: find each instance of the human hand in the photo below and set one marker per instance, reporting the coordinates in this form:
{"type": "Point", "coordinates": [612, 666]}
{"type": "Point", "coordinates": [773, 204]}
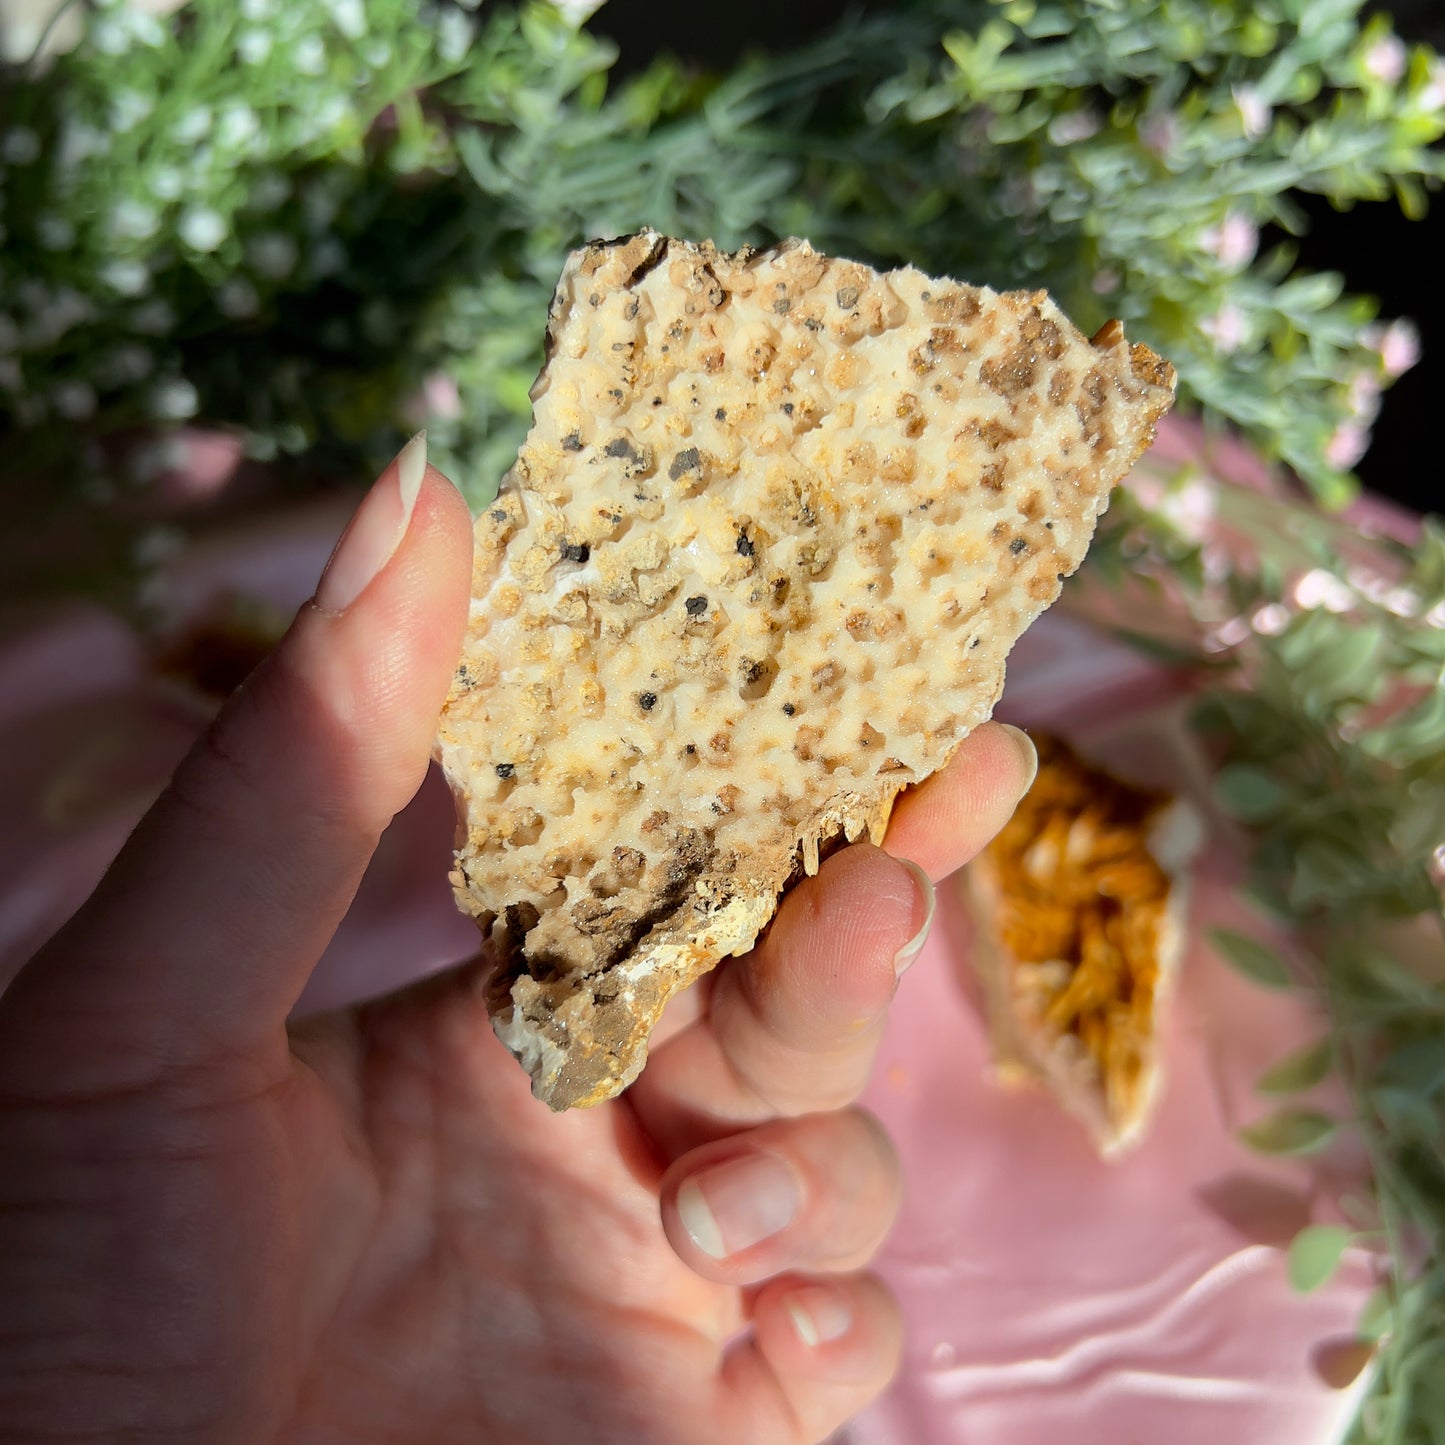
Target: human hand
{"type": "Point", "coordinates": [215, 1228]}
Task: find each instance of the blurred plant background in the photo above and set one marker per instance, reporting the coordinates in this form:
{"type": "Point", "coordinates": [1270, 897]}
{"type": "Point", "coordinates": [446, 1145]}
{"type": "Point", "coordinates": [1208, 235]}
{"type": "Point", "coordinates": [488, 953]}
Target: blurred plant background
{"type": "Point", "coordinates": [248, 246]}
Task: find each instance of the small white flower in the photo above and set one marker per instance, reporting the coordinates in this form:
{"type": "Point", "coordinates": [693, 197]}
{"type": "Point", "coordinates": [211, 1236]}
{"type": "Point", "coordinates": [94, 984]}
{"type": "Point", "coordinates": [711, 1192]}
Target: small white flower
{"type": "Point", "coordinates": [124, 366]}
{"type": "Point", "coordinates": [1074, 125]}
{"type": "Point", "coordinates": [135, 219]}
{"type": "Point", "coordinates": [21, 146]}
{"type": "Point", "coordinates": [273, 255]}
{"type": "Point", "coordinates": [574, 12]}
{"type": "Point", "coordinates": [129, 278]}
{"type": "Point", "coordinates": [166, 183]}
{"type": "Point", "coordinates": [1227, 634]}
{"type": "Point", "coordinates": [309, 56]}
{"type": "Point", "coordinates": [1321, 589]}
{"type": "Point", "coordinates": [1255, 113]}
{"type": "Point", "coordinates": [350, 18]}
{"type": "Point", "coordinates": [74, 400]}
{"type": "Point", "coordinates": [1190, 509]}
{"type": "Point", "coordinates": [194, 125]}
{"type": "Point", "coordinates": [236, 127]}
{"type": "Point", "coordinates": [55, 233]}
{"type": "Point", "coordinates": [1228, 328]}
{"type": "Point", "coordinates": [78, 142]}
{"type": "Point", "coordinates": [154, 318]}
{"type": "Point", "coordinates": [269, 190]}
{"type": "Point", "coordinates": [1233, 242]}
{"type": "Point", "coordinates": [201, 228]}
{"type": "Point", "coordinates": [1347, 444]}
{"type": "Point", "coordinates": [110, 36]}
{"type": "Point", "coordinates": [253, 46]}
{"type": "Point", "coordinates": [175, 399]}
{"type": "Point", "coordinates": [1270, 620]}
{"type": "Point", "coordinates": [1385, 60]}
{"type": "Point", "coordinates": [237, 299]}
{"type": "Point", "coordinates": [454, 31]}
{"type": "Point", "coordinates": [128, 108]}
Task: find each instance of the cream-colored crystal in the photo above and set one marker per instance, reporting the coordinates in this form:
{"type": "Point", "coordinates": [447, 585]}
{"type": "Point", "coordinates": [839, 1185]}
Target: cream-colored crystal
{"type": "Point", "coordinates": [776, 526]}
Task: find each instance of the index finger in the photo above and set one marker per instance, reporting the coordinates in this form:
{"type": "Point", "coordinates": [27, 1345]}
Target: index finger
{"type": "Point", "coordinates": [792, 1027]}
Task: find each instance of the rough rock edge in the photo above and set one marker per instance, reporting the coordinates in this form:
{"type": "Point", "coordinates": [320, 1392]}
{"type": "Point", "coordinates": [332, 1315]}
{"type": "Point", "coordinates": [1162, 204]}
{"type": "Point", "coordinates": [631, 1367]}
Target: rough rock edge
{"type": "Point", "coordinates": [572, 1067]}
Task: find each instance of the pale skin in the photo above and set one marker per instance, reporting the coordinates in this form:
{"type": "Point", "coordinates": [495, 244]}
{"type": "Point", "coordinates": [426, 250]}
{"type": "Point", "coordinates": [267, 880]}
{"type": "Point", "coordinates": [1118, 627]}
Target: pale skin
{"type": "Point", "coordinates": [219, 1227]}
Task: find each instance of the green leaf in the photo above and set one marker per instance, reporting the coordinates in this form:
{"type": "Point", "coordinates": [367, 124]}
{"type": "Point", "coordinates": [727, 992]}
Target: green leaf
{"type": "Point", "coordinates": [1299, 1071]}
{"type": "Point", "coordinates": [1315, 1254]}
{"type": "Point", "coordinates": [1253, 959]}
{"type": "Point", "coordinates": [1377, 1317]}
{"type": "Point", "coordinates": [1249, 793]}
{"type": "Point", "coordinates": [1290, 1131]}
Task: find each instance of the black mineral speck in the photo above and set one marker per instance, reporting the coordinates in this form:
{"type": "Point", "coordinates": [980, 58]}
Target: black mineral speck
{"type": "Point", "coordinates": [848, 297]}
{"type": "Point", "coordinates": [782, 306]}
{"type": "Point", "coordinates": [788, 408]}
{"type": "Point", "coordinates": [572, 442]}
{"type": "Point", "coordinates": [720, 414]}
{"type": "Point", "coordinates": [975, 642]}
{"type": "Point", "coordinates": [575, 551]}
{"type": "Point", "coordinates": [647, 701]}
{"type": "Point", "coordinates": [1018, 545]}
{"type": "Point", "coordinates": [696, 606]}
{"type": "Point", "coordinates": [690, 749]}
{"type": "Point", "coordinates": [789, 709]}
{"type": "Point", "coordinates": [1049, 525]}
{"type": "Point", "coordinates": [745, 545]}
{"type": "Point", "coordinates": [505, 770]}
{"type": "Point", "coordinates": [813, 324]}
{"type": "Point", "coordinates": [620, 447]}
{"type": "Point", "coordinates": [687, 460]}
{"type": "Point", "coordinates": [498, 516]}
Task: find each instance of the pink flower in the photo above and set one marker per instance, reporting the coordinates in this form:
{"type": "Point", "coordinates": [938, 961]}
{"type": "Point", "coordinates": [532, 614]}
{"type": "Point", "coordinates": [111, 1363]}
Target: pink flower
{"type": "Point", "coordinates": [1432, 97]}
{"type": "Point", "coordinates": [1255, 113]}
{"type": "Point", "coordinates": [1160, 132]}
{"type": "Point", "coordinates": [1385, 59]}
{"type": "Point", "coordinates": [1347, 444]}
{"type": "Point", "coordinates": [1233, 242]}
{"type": "Point", "coordinates": [1075, 125]}
{"type": "Point", "coordinates": [1227, 328]}
{"type": "Point", "coordinates": [1398, 345]}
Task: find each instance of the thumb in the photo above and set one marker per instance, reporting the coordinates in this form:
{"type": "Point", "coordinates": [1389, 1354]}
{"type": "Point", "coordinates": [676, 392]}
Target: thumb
{"type": "Point", "coordinates": [202, 935]}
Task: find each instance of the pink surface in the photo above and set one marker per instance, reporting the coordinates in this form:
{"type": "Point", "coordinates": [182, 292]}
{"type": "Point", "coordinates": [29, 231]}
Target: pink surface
{"type": "Point", "coordinates": [1052, 1299]}
{"type": "Point", "coordinates": [1049, 1298]}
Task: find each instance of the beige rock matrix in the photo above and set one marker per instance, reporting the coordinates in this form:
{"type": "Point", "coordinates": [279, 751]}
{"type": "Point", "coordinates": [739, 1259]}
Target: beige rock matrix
{"type": "Point", "coordinates": [776, 526]}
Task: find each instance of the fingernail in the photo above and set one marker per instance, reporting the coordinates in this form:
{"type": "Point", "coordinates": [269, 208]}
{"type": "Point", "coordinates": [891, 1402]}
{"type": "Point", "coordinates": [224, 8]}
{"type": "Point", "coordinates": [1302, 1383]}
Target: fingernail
{"type": "Point", "coordinates": [907, 956]}
{"type": "Point", "coordinates": [819, 1314]}
{"type": "Point", "coordinates": [1027, 751]}
{"type": "Point", "coordinates": [375, 532]}
{"type": "Point", "coordinates": [729, 1208]}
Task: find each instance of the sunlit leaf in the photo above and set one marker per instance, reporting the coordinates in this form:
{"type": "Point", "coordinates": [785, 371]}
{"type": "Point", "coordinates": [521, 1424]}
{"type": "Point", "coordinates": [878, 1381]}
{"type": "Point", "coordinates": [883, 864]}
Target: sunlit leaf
{"type": "Point", "coordinates": [1290, 1131]}
{"type": "Point", "coordinates": [1315, 1254]}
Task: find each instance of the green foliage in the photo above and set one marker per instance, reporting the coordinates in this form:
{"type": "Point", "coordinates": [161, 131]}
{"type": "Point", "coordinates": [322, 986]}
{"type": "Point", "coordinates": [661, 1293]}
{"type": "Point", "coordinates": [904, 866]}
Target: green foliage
{"type": "Point", "coordinates": [1325, 718]}
{"type": "Point", "coordinates": [322, 222]}
{"type": "Point", "coordinates": [1315, 1254]}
